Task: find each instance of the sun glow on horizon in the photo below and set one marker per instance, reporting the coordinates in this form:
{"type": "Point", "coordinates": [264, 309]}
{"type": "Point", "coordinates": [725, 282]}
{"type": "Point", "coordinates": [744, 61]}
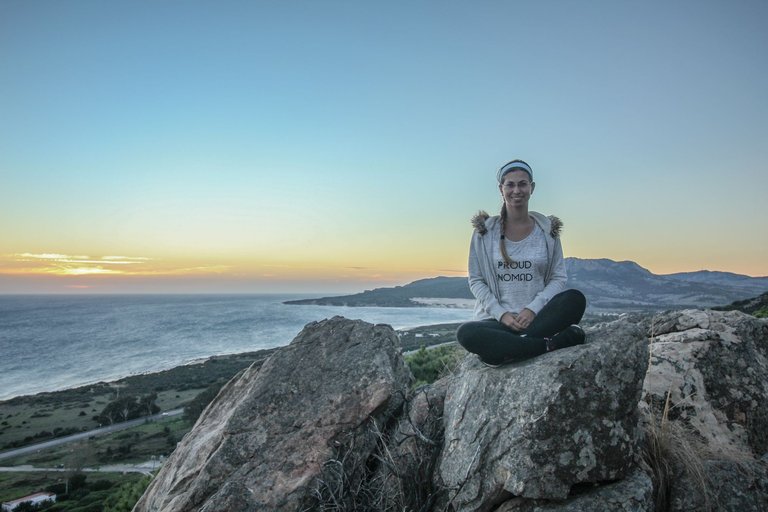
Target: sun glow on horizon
{"type": "Point", "coordinates": [67, 265]}
{"type": "Point", "coordinates": [58, 272]}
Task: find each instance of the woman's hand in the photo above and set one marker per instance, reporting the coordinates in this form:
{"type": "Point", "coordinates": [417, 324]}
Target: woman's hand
{"type": "Point", "coordinates": [520, 321]}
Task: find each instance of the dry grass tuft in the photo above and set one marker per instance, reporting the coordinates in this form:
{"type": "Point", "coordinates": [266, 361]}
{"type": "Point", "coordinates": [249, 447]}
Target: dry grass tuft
{"type": "Point", "coordinates": [672, 449]}
{"type": "Point", "coordinates": [395, 477]}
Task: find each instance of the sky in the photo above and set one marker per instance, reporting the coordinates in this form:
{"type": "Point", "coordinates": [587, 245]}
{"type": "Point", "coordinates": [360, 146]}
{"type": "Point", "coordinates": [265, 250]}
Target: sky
{"type": "Point", "coordinates": [335, 146]}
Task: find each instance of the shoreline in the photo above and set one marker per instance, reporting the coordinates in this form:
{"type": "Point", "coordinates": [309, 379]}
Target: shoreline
{"type": "Point", "coordinates": [53, 346]}
{"type": "Point", "coordinates": [117, 381]}
{"type": "Point", "coordinates": [194, 364]}
{"type": "Point", "coordinates": [32, 418]}
{"type": "Point", "coordinates": [126, 380]}
{"type": "Point", "coordinates": [411, 338]}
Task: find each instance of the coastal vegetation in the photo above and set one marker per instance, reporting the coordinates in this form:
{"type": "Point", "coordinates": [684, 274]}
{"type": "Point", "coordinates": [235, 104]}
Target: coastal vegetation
{"type": "Point", "coordinates": [75, 492]}
{"type": "Point", "coordinates": [151, 440]}
{"type": "Point", "coordinates": [418, 337]}
{"type": "Point", "coordinates": [128, 407]}
{"type": "Point", "coordinates": [756, 306]}
{"type": "Point", "coordinates": [30, 419]}
{"type": "Point", "coordinates": [126, 496]}
{"type": "Point", "coordinates": [428, 365]}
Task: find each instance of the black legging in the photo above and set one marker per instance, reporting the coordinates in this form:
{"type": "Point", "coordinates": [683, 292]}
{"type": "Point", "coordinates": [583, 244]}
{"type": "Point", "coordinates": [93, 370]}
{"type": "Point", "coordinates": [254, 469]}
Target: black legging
{"type": "Point", "coordinates": [495, 343]}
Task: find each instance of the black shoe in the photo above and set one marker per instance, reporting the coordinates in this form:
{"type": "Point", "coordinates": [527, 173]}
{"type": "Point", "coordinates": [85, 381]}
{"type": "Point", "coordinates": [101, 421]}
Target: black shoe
{"type": "Point", "coordinates": [498, 364]}
{"type": "Point", "coordinates": [570, 336]}
{"type": "Point", "coordinates": [489, 365]}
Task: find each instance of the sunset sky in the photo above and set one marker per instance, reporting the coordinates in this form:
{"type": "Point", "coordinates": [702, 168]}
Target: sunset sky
{"type": "Point", "coordinates": [334, 146]}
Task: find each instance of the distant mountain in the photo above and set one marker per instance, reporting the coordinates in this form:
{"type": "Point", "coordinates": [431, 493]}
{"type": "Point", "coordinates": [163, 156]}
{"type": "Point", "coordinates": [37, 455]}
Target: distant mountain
{"type": "Point", "coordinates": [759, 284]}
{"type": "Point", "coordinates": [609, 286]}
{"type": "Point", "coordinates": [621, 285]}
{"type": "Point", "coordinates": [400, 296]}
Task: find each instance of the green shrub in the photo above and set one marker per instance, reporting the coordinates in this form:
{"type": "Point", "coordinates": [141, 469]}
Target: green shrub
{"type": "Point", "coordinates": [126, 496]}
{"type": "Point", "coordinates": [428, 365]}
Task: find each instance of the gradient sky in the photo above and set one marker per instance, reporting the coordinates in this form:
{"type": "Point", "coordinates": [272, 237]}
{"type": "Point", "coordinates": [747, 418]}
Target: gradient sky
{"type": "Point", "coordinates": [333, 146]}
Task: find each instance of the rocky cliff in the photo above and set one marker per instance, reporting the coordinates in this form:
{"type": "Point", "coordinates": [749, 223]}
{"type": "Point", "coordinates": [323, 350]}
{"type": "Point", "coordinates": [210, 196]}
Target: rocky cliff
{"type": "Point", "coordinates": [663, 412]}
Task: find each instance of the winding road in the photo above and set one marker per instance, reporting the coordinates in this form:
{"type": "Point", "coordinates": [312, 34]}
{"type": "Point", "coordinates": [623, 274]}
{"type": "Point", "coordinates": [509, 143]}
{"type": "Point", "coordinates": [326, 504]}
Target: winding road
{"type": "Point", "coordinates": [88, 434]}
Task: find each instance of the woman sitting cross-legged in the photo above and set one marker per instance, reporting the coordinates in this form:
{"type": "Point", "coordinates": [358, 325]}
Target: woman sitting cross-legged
{"type": "Point", "coordinates": [517, 274]}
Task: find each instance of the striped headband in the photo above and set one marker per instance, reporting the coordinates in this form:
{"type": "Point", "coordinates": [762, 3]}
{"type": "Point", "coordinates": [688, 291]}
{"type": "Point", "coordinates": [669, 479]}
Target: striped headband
{"type": "Point", "coordinates": [511, 166]}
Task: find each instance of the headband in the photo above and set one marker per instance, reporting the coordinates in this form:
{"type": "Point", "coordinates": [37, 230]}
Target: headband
{"type": "Point", "coordinates": [511, 166]}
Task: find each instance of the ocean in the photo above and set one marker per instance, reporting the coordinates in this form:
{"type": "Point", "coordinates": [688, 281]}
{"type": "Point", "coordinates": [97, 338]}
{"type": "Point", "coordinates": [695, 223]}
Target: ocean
{"type": "Point", "coordinates": [52, 342]}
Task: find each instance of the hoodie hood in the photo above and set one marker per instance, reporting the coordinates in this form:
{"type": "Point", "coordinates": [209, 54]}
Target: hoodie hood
{"type": "Point", "coordinates": [551, 224]}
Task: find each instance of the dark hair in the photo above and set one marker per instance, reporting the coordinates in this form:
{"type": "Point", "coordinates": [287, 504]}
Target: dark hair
{"type": "Point", "coordinates": [502, 245]}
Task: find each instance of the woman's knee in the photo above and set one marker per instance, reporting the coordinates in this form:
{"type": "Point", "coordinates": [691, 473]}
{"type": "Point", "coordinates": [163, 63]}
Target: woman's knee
{"type": "Point", "coordinates": [573, 298]}
{"type": "Point", "coordinates": [464, 334]}
{"type": "Point", "coordinates": [472, 335]}
{"type": "Point", "coordinates": [577, 297]}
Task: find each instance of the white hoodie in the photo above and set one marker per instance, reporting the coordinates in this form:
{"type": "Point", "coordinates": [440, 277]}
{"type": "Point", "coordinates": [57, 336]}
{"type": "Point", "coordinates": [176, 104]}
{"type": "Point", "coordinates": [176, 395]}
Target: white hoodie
{"type": "Point", "coordinates": [483, 280]}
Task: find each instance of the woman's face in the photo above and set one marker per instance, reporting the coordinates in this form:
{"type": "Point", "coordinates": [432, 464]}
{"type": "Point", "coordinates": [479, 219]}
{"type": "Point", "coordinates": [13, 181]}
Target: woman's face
{"type": "Point", "coordinates": [516, 188]}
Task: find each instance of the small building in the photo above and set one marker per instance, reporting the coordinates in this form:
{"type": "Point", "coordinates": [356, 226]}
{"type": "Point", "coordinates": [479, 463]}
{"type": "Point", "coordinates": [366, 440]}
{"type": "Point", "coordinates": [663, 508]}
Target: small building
{"type": "Point", "coordinates": [35, 499]}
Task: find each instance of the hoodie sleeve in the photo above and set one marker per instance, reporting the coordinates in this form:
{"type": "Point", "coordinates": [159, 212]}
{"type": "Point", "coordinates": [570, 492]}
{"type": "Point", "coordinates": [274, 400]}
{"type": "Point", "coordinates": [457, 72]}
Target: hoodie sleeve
{"type": "Point", "coordinates": [478, 283]}
{"type": "Point", "coordinates": [557, 281]}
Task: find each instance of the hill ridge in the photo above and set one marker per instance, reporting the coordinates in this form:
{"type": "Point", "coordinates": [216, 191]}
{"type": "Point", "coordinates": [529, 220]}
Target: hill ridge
{"type": "Point", "coordinates": [610, 286]}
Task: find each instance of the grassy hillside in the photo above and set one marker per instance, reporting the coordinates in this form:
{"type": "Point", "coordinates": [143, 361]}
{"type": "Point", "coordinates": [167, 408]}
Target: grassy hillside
{"type": "Point", "coordinates": [756, 306]}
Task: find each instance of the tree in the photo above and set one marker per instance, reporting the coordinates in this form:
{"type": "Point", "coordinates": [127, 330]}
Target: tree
{"type": "Point", "coordinates": [148, 405]}
{"type": "Point", "coordinates": [128, 407]}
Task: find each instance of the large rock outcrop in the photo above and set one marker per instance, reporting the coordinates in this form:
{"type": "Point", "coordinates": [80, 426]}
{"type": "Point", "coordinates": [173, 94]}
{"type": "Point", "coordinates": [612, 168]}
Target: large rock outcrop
{"type": "Point", "coordinates": [270, 434]}
{"type": "Point", "coordinates": [714, 366]}
{"type": "Point", "coordinates": [328, 423]}
{"type": "Point", "coordinates": [536, 428]}
{"type": "Point", "coordinates": [707, 387]}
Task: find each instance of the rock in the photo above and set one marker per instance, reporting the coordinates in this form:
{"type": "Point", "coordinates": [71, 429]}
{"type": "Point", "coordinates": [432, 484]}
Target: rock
{"type": "Point", "coordinates": [327, 423]}
{"type": "Point", "coordinates": [714, 365]}
{"type": "Point", "coordinates": [535, 428]}
{"type": "Point", "coordinates": [729, 486]}
{"type": "Point", "coordinates": [713, 368]}
{"type": "Point", "coordinates": [633, 494]}
{"type": "Point", "coordinates": [412, 451]}
{"type": "Point", "coordinates": [272, 433]}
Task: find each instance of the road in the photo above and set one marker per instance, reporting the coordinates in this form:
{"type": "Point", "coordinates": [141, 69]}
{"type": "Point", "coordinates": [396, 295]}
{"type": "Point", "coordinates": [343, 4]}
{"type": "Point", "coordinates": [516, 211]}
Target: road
{"type": "Point", "coordinates": [145, 468]}
{"type": "Point", "coordinates": [85, 435]}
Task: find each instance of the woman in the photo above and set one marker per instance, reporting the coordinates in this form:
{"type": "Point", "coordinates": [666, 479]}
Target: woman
{"type": "Point", "coordinates": [517, 274]}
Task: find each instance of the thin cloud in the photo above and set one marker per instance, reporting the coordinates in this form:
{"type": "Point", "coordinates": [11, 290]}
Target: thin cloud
{"type": "Point", "coordinates": [84, 271]}
{"type": "Point", "coordinates": [210, 269]}
{"type": "Point", "coordinates": [79, 265]}
{"type": "Point", "coordinates": [48, 256]}
{"type": "Point", "coordinates": [99, 262]}
{"type": "Point", "coordinates": [66, 258]}
{"type": "Point", "coordinates": [126, 258]}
